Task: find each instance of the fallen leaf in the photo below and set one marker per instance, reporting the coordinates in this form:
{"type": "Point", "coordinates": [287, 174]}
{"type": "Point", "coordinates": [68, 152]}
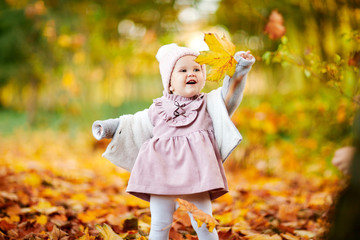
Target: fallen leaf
{"type": "Point", "coordinates": [289, 236]}
{"type": "Point", "coordinates": [57, 234]}
{"type": "Point", "coordinates": [141, 238]}
{"type": "Point", "coordinates": [42, 219]}
{"type": "Point", "coordinates": [28, 227]}
{"type": "Point", "coordinates": [91, 215]}
{"type": "Point", "coordinates": [5, 225]}
{"type": "Point", "coordinates": [249, 234]}
{"type": "Point", "coordinates": [13, 210]}
{"type": "Point", "coordinates": [241, 225]}
{"type": "Point", "coordinates": [131, 224]}
{"type": "Point", "coordinates": [225, 218]}
{"type": "Point", "coordinates": [107, 233]}
{"type": "Point", "coordinates": [45, 207]}
{"type": "Point", "coordinates": [174, 235]}
{"type": "Point", "coordinates": [288, 212]}
{"type": "Point", "coordinates": [220, 57]}
{"type": "Point", "coordinates": [59, 220]}
{"type": "Point", "coordinates": [9, 196]}
{"type": "Point", "coordinates": [304, 234]}
{"type": "Point", "coordinates": [86, 236]}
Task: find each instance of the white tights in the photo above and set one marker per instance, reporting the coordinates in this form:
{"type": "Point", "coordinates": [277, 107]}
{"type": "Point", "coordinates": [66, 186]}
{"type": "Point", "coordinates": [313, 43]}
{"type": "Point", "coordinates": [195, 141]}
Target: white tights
{"type": "Point", "coordinates": [162, 208]}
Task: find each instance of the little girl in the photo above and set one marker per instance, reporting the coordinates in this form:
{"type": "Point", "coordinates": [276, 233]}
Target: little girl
{"type": "Point", "coordinates": [175, 149]}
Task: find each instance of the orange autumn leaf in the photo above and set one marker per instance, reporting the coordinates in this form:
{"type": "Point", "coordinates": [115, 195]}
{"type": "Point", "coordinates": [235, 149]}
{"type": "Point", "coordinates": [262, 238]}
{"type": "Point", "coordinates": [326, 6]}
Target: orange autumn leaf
{"type": "Point", "coordinates": [288, 212]}
{"type": "Point", "coordinates": [220, 57]}
{"type": "Point", "coordinates": [86, 235]}
{"type": "Point", "coordinates": [91, 215]}
{"type": "Point", "coordinates": [199, 216]}
{"type": "Point", "coordinates": [275, 26]}
{"type": "Point", "coordinates": [263, 237]}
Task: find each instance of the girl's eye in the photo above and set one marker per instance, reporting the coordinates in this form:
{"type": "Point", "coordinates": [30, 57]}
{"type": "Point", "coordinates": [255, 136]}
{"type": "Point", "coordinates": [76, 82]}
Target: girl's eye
{"type": "Point", "coordinates": [182, 70]}
{"type": "Point", "coordinates": [197, 70]}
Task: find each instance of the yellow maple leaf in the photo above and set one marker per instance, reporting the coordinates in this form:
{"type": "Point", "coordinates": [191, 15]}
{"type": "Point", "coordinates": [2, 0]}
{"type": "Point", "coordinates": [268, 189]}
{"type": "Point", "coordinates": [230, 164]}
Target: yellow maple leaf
{"type": "Point", "coordinates": [107, 233]}
{"type": "Point", "coordinates": [199, 216]}
{"type": "Point", "coordinates": [220, 57]}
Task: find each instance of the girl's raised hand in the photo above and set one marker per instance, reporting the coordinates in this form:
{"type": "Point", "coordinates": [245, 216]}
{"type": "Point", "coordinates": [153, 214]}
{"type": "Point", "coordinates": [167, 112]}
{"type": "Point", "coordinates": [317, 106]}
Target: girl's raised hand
{"type": "Point", "coordinates": [246, 55]}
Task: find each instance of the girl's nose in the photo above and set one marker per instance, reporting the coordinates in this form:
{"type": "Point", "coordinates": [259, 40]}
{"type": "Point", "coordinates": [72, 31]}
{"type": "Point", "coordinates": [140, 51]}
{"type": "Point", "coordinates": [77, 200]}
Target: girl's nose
{"type": "Point", "coordinates": [191, 75]}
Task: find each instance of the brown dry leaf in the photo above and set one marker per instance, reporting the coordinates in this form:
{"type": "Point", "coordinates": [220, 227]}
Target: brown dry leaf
{"type": "Point", "coordinates": [275, 26]}
{"type": "Point", "coordinates": [175, 235]}
{"type": "Point", "coordinates": [107, 233]}
{"type": "Point", "coordinates": [288, 212]}
{"type": "Point", "coordinates": [6, 225]}
{"type": "Point", "coordinates": [199, 216]}
{"type": "Point", "coordinates": [58, 234]}
{"type": "Point", "coordinates": [59, 220]}
{"type": "Point", "coordinates": [8, 196]}
{"type": "Point", "coordinates": [219, 57]}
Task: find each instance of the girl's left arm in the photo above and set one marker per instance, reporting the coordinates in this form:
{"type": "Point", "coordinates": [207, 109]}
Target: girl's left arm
{"type": "Point", "coordinates": [233, 88]}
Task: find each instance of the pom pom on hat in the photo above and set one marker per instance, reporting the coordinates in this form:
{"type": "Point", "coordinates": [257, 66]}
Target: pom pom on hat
{"type": "Point", "coordinates": [167, 57]}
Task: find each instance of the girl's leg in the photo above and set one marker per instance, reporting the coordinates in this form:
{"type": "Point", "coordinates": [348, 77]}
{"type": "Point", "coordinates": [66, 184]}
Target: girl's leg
{"type": "Point", "coordinates": [201, 201]}
{"type": "Point", "coordinates": [162, 209]}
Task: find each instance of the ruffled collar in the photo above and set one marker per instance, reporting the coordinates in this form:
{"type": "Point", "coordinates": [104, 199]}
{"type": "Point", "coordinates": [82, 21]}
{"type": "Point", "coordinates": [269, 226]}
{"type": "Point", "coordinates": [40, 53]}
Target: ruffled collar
{"type": "Point", "coordinates": [179, 98]}
{"type": "Point", "coordinates": [178, 110]}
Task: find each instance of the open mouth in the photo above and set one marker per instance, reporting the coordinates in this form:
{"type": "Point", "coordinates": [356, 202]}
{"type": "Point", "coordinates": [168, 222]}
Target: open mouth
{"type": "Point", "coordinates": [191, 82]}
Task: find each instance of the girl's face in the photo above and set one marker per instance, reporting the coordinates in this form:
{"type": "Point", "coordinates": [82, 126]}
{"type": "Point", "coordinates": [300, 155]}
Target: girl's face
{"type": "Point", "coordinates": [187, 78]}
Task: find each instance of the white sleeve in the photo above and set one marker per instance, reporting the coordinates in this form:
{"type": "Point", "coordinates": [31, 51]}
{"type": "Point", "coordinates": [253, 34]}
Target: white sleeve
{"type": "Point", "coordinates": [105, 128]}
{"type": "Point", "coordinates": [130, 135]}
{"type": "Point", "coordinates": [242, 69]}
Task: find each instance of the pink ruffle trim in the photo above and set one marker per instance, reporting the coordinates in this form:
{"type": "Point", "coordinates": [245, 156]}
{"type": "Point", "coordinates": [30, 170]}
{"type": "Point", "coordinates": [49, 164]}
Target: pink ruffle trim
{"type": "Point", "coordinates": [165, 107]}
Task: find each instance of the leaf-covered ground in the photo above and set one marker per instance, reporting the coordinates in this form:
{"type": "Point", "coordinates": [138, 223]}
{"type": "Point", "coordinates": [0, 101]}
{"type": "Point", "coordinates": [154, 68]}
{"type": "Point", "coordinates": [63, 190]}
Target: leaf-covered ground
{"type": "Point", "coordinates": [54, 186]}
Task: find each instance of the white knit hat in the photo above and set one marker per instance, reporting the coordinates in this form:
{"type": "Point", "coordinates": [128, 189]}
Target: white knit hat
{"type": "Point", "coordinates": [167, 57]}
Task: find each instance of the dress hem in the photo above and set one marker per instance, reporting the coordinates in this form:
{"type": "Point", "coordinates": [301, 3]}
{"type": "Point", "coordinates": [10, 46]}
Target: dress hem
{"type": "Point", "coordinates": [145, 195]}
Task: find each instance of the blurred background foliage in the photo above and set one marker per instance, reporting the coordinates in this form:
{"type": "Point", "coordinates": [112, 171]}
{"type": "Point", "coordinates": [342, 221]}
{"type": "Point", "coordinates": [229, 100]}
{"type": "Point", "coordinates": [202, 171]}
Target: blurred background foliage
{"type": "Point", "coordinates": [64, 64]}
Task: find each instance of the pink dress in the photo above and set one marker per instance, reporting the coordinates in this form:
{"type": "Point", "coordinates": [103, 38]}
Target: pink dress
{"type": "Point", "coordinates": [182, 157]}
